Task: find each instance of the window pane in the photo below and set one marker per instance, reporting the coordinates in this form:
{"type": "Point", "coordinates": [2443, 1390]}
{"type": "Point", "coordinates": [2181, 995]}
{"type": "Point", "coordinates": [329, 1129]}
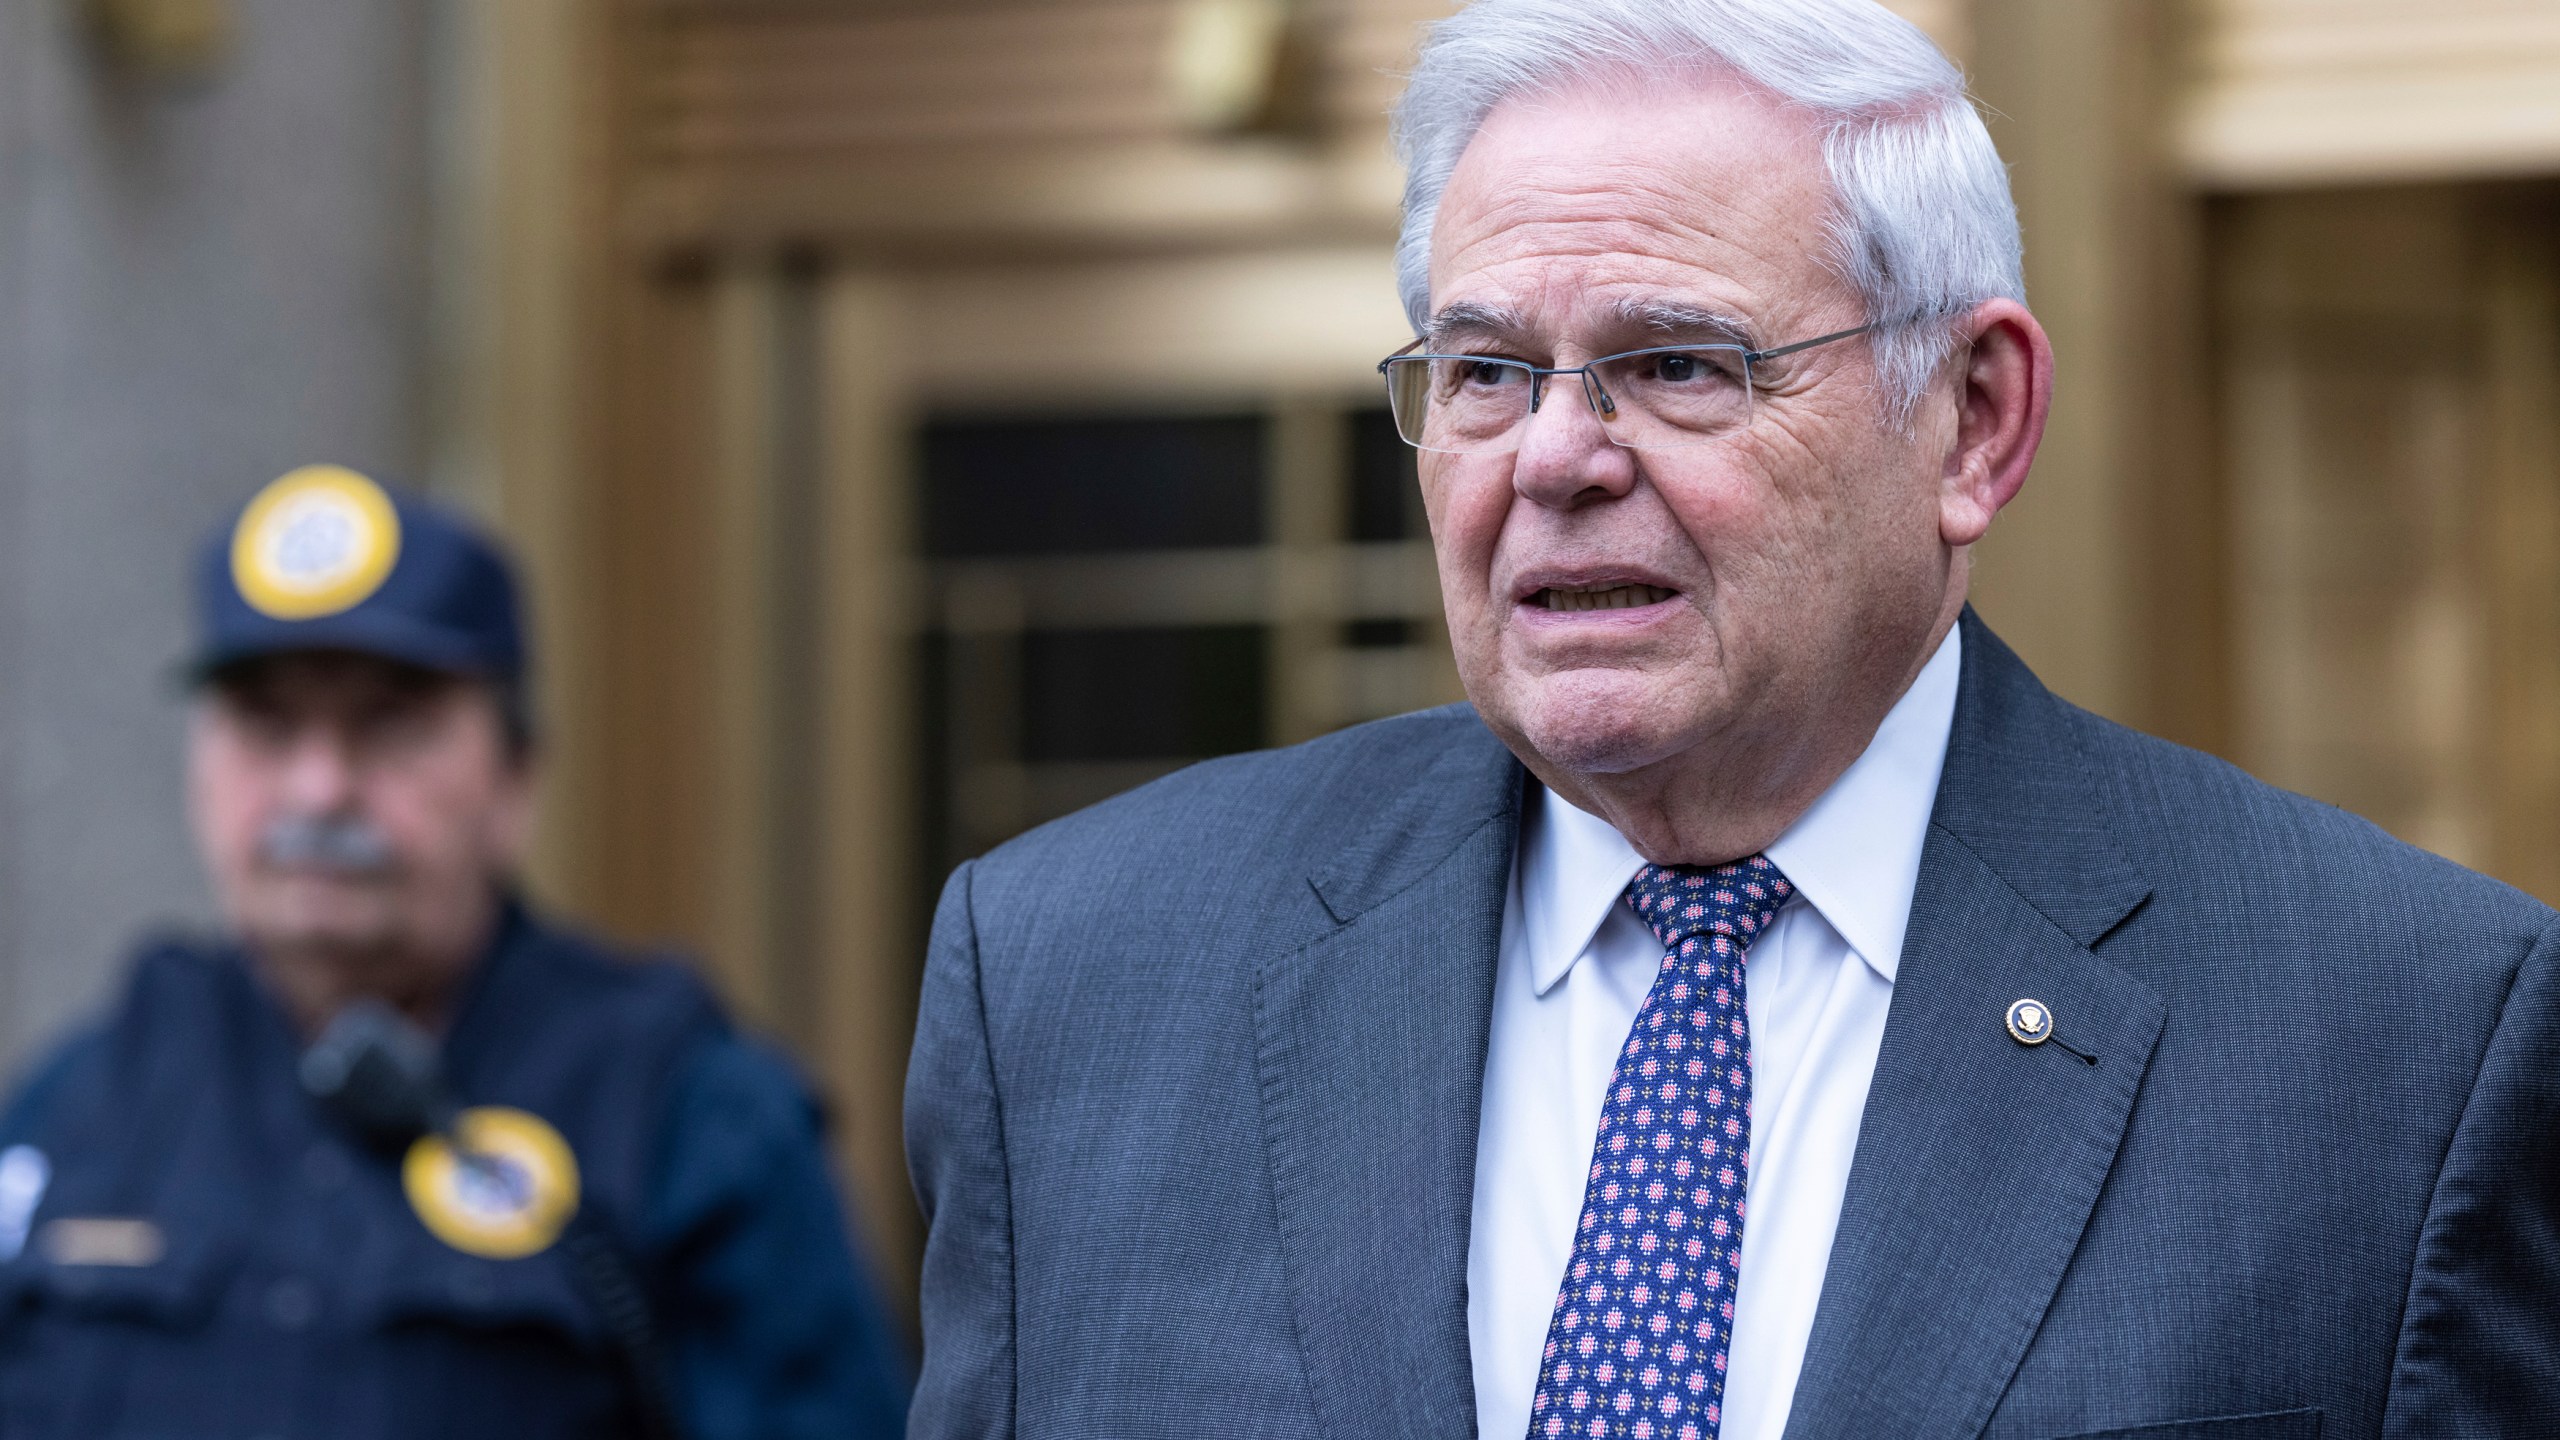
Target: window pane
{"type": "Point", "coordinates": [1386, 496]}
{"type": "Point", "coordinates": [1142, 694]}
{"type": "Point", "coordinates": [996, 487]}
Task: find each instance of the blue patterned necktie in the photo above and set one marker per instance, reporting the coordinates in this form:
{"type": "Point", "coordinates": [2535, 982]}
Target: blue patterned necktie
{"type": "Point", "coordinates": [1642, 1325]}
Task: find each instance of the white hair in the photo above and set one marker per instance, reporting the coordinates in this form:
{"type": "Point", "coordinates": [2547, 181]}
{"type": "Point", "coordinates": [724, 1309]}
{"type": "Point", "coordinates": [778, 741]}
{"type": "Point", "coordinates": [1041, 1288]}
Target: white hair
{"type": "Point", "coordinates": [1924, 228]}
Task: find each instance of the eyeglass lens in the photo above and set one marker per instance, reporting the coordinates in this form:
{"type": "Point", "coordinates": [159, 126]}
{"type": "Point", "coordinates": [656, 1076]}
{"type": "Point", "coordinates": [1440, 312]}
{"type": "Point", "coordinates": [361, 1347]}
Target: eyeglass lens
{"type": "Point", "coordinates": [1648, 399]}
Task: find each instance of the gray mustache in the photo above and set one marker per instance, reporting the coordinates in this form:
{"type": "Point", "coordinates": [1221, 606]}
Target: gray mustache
{"type": "Point", "coordinates": [345, 844]}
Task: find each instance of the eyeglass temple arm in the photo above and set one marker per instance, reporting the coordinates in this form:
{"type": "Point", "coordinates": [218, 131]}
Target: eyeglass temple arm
{"type": "Point", "coordinates": [1756, 356]}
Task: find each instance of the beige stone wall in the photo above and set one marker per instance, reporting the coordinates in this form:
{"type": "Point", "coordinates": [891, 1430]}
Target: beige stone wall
{"type": "Point", "coordinates": [209, 276]}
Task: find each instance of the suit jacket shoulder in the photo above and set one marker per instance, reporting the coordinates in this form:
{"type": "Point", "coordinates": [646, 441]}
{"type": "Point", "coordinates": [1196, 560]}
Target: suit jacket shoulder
{"type": "Point", "coordinates": [1146, 1089]}
{"type": "Point", "coordinates": [1288, 842]}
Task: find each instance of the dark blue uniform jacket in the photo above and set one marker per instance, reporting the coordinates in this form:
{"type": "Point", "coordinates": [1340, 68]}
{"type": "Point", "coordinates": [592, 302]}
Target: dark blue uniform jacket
{"type": "Point", "coordinates": [285, 1287]}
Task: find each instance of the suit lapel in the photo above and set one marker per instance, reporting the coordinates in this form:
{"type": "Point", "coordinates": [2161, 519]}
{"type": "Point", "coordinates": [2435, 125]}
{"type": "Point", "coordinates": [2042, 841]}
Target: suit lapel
{"type": "Point", "coordinates": [1979, 1158]}
{"type": "Point", "coordinates": [1371, 1060]}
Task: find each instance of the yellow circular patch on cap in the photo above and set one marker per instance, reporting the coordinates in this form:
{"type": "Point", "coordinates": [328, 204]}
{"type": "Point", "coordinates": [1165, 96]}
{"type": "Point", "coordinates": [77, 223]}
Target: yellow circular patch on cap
{"type": "Point", "coordinates": [506, 1195]}
{"type": "Point", "coordinates": [316, 542]}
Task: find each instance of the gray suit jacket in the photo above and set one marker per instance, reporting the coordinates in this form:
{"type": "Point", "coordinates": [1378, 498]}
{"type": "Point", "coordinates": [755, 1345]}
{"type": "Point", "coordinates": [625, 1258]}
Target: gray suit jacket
{"type": "Point", "coordinates": [1194, 1100]}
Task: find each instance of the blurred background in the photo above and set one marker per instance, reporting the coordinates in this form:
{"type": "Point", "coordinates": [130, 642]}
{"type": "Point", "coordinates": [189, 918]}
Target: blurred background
{"type": "Point", "coordinates": [920, 418]}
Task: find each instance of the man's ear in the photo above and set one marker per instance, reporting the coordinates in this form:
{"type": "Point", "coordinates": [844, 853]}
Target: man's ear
{"type": "Point", "coordinates": [513, 812]}
{"type": "Point", "coordinates": [515, 789]}
{"type": "Point", "coordinates": [2005, 387]}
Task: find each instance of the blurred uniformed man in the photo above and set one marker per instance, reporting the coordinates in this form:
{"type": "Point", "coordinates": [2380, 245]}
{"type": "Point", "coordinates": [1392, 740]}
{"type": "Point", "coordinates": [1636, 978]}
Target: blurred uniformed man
{"type": "Point", "coordinates": [399, 1157]}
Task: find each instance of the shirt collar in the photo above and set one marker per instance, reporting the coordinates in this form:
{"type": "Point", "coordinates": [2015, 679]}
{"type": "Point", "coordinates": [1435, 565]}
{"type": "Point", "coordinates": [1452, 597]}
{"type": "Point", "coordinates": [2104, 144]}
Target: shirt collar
{"type": "Point", "coordinates": [1854, 856]}
{"type": "Point", "coordinates": [1573, 868]}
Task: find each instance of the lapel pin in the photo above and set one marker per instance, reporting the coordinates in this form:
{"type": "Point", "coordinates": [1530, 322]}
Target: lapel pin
{"type": "Point", "coordinates": [2031, 1023]}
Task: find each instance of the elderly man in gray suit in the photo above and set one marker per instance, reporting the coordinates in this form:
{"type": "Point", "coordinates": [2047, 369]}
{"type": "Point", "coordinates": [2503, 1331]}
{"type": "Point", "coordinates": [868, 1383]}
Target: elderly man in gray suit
{"type": "Point", "coordinates": [1766, 1011]}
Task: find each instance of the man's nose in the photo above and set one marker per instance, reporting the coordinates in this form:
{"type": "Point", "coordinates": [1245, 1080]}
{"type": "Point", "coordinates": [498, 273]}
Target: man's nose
{"type": "Point", "coordinates": [1566, 458]}
{"type": "Point", "coordinates": [320, 772]}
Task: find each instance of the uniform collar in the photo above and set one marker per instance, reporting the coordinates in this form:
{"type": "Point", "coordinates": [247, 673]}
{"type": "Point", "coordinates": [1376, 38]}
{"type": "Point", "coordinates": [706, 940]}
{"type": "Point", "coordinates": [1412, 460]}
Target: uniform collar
{"type": "Point", "coordinates": [1854, 856]}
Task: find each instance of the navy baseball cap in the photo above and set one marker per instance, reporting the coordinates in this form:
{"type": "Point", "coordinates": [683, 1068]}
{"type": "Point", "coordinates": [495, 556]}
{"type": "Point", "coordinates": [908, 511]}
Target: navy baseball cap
{"type": "Point", "coordinates": [326, 559]}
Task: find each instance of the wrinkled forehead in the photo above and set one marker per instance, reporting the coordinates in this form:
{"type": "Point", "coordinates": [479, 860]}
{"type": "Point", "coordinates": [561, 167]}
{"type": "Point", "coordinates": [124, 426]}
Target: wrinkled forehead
{"type": "Point", "coordinates": [1588, 205]}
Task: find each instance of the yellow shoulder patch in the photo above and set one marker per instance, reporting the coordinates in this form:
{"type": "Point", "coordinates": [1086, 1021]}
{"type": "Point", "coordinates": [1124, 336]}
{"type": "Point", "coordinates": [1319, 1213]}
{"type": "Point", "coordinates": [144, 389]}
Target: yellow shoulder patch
{"type": "Point", "coordinates": [318, 541]}
{"type": "Point", "coordinates": [509, 1197]}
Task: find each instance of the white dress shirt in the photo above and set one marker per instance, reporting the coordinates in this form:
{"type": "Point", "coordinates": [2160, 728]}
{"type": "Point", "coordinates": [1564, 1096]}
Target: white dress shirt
{"type": "Point", "coordinates": [1575, 965]}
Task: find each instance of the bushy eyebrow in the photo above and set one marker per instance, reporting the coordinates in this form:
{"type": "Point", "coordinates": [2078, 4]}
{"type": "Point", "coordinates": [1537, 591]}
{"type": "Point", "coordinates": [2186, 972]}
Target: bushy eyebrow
{"type": "Point", "coordinates": [1675, 320]}
{"type": "Point", "coordinates": [1471, 320]}
{"type": "Point", "coordinates": [1474, 322]}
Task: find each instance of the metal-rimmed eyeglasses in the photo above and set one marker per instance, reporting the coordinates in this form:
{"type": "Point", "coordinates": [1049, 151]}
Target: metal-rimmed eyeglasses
{"type": "Point", "coordinates": [1654, 399]}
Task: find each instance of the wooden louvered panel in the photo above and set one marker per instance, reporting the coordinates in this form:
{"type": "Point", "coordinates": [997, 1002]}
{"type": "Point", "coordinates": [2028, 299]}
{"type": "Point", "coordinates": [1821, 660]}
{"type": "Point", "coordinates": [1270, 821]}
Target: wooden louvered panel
{"type": "Point", "coordinates": [2322, 91]}
{"type": "Point", "coordinates": [734, 77]}
{"type": "Point", "coordinates": [786, 82]}
{"type": "Point", "coordinates": [893, 119]}
{"type": "Point", "coordinates": [995, 120]}
{"type": "Point", "coordinates": [744, 80]}
{"type": "Point", "coordinates": [1022, 197]}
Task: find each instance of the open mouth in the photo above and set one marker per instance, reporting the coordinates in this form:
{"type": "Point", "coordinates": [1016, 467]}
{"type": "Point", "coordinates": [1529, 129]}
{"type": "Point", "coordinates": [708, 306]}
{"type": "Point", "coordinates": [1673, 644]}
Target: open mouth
{"type": "Point", "coordinates": [1615, 597]}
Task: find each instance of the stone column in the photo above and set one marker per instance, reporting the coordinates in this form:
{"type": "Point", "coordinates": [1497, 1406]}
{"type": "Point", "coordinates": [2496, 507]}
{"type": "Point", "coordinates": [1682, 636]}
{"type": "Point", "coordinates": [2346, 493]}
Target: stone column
{"type": "Point", "coordinates": [207, 276]}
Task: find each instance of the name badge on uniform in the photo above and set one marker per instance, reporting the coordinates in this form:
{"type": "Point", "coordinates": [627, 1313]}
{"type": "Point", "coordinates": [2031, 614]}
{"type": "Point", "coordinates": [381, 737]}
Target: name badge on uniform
{"type": "Point", "coordinates": [507, 1194]}
{"type": "Point", "coordinates": [101, 1240]}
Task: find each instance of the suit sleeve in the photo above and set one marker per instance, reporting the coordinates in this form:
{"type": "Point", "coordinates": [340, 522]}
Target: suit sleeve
{"type": "Point", "coordinates": [956, 1153]}
{"type": "Point", "coordinates": [2482, 1321]}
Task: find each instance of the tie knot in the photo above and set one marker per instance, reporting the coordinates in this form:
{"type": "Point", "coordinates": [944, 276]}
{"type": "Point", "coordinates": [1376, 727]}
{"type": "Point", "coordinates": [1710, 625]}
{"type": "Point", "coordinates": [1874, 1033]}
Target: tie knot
{"type": "Point", "coordinates": [1682, 901]}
